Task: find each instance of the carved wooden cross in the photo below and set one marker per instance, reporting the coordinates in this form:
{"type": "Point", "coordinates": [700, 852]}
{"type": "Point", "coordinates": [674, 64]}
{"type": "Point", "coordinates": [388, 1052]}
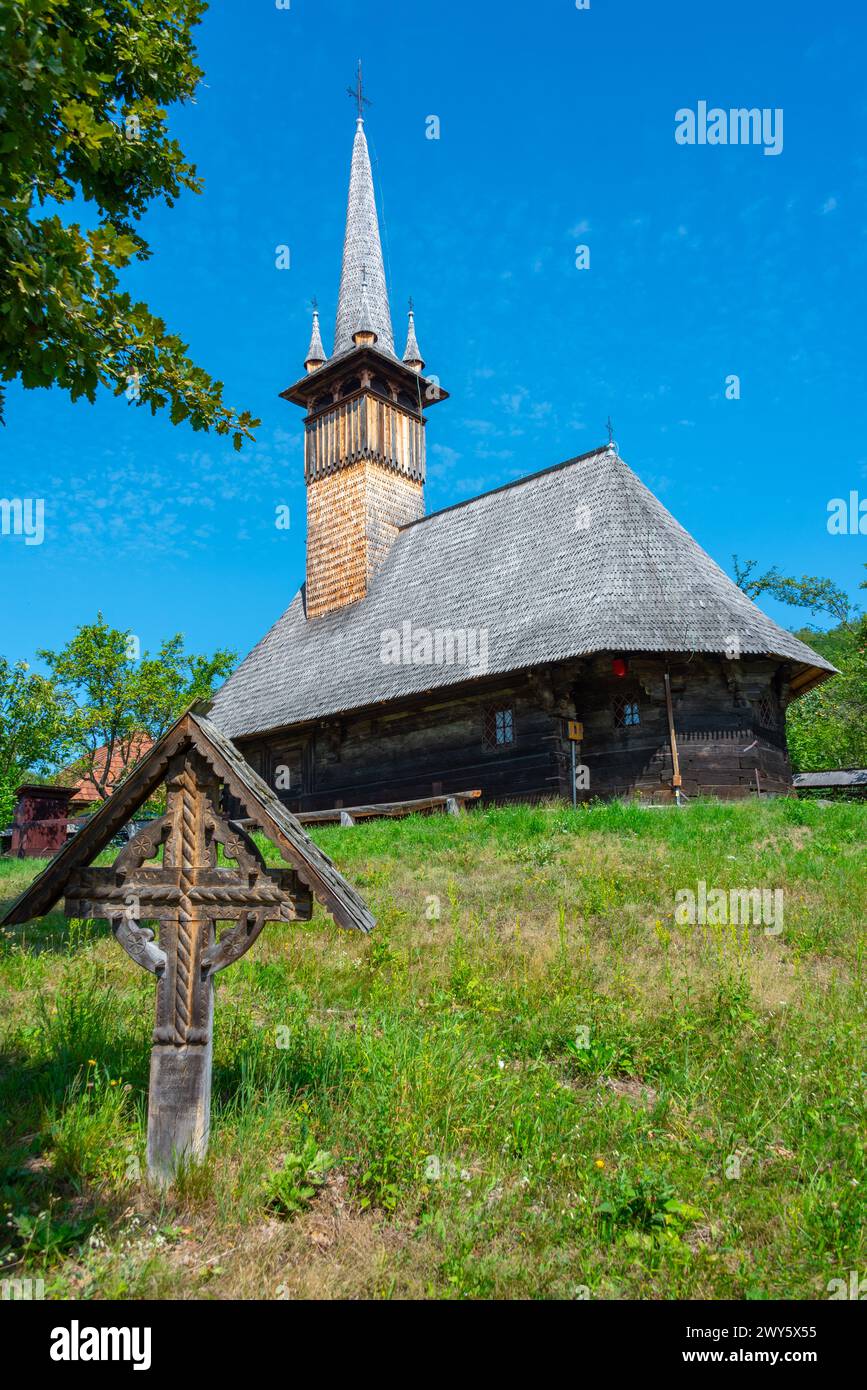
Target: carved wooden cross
{"type": "Point", "coordinates": [187, 893]}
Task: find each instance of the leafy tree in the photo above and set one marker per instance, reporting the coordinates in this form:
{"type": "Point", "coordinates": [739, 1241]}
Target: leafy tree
{"type": "Point", "coordinates": [83, 92]}
{"type": "Point", "coordinates": [32, 729]}
{"type": "Point", "coordinates": [827, 727]}
{"type": "Point", "coordinates": [818, 595]}
{"type": "Point", "coordinates": [114, 697]}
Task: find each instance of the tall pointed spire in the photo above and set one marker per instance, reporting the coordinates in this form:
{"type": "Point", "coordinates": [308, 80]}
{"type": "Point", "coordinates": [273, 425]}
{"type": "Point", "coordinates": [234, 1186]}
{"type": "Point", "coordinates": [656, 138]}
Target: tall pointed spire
{"type": "Point", "coordinates": [412, 356]}
{"type": "Point", "coordinates": [315, 353]}
{"type": "Point", "coordinates": [362, 250]}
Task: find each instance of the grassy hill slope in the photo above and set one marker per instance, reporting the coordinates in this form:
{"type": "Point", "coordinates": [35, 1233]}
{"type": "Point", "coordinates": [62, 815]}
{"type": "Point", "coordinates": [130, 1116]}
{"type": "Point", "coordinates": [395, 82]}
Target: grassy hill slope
{"type": "Point", "coordinates": [529, 1082]}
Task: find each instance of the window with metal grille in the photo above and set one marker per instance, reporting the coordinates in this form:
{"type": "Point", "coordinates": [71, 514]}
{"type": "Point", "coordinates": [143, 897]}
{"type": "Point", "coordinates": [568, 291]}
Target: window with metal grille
{"type": "Point", "coordinates": [626, 714]}
{"type": "Point", "coordinates": [499, 728]}
{"type": "Point", "coordinates": [767, 711]}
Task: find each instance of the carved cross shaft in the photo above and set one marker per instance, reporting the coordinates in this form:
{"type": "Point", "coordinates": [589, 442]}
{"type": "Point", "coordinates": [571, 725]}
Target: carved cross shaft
{"type": "Point", "coordinates": [187, 895]}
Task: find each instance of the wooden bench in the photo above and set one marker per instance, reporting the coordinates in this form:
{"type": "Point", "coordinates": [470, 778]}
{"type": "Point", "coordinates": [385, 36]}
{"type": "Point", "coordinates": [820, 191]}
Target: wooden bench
{"type": "Point", "coordinates": [453, 804]}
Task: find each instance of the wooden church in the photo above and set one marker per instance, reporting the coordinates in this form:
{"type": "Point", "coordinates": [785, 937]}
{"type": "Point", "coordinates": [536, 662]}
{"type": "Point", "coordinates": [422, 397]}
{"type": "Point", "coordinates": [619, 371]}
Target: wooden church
{"type": "Point", "coordinates": [560, 636]}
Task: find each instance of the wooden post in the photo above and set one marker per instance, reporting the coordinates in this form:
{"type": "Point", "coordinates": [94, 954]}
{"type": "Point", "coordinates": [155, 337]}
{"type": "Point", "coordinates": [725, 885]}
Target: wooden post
{"type": "Point", "coordinates": [179, 1107]}
{"type": "Point", "coordinates": [675, 760]}
{"type": "Point", "coordinates": [575, 733]}
{"type": "Point", "coordinates": [179, 1100]}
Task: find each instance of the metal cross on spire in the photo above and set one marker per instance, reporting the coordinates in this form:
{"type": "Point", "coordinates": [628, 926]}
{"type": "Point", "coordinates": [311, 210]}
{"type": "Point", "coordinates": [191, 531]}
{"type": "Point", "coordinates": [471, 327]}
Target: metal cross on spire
{"type": "Point", "coordinates": [357, 94]}
{"type": "Point", "coordinates": [610, 432]}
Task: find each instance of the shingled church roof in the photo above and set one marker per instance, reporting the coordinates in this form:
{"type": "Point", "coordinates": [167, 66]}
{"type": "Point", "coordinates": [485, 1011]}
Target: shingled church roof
{"type": "Point", "coordinates": [572, 561]}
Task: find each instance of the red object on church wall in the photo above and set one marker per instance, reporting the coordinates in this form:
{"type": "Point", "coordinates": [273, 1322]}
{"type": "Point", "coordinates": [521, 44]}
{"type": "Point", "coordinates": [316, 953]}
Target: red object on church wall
{"type": "Point", "coordinates": [620, 666]}
{"type": "Point", "coordinates": [41, 816]}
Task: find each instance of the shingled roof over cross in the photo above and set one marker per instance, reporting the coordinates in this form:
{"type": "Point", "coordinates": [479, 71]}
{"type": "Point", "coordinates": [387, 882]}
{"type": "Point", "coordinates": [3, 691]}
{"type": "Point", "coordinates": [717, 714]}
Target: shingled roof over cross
{"type": "Point", "coordinates": [572, 561]}
{"type": "Point", "coordinates": [266, 811]}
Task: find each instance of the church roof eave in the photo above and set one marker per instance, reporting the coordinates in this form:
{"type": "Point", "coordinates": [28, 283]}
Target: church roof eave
{"type": "Point", "coordinates": [372, 357]}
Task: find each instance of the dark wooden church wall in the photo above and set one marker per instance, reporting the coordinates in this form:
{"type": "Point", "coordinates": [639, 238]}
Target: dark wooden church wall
{"type": "Point", "coordinates": [431, 747]}
{"type": "Point", "coordinates": [729, 717]}
{"type": "Point", "coordinates": [441, 748]}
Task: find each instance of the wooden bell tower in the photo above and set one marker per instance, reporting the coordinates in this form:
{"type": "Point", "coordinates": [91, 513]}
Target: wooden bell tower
{"type": "Point", "coordinates": [364, 449]}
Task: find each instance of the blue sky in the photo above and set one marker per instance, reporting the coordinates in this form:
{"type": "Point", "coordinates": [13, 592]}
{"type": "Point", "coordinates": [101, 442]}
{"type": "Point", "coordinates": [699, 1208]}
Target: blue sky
{"type": "Point", "coordinates": [557, 129]}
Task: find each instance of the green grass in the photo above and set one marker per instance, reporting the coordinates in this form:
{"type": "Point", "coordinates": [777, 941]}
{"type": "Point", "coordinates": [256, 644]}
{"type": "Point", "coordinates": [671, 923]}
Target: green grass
{"type": "Point", "coordinates": [529, 1082]}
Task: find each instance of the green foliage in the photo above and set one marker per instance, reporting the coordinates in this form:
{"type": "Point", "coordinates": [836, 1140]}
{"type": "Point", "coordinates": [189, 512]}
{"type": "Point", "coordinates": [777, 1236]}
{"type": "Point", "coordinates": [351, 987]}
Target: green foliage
{"type": "Point", "coordinates": [827, 727]}
{"type": "Point", "coordinates": [84, 91]}
{"type": "Point", "coordinates": [603, 1055]}
{"type": "Point", "coordinates": [32, 729]}
{"type": "Point", "coordinates": [292, 1187]}
{"type": "Point", "coordinates": [43, 1238]}
{"type": "Point", "coordinates": [112, 697]}
{"type": "Point", "coordinates": [87, 1129]}
{"type": "Point", "coordinates": [645, 1204]}
{"type": "Point", "coordinates": [818, 595]}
